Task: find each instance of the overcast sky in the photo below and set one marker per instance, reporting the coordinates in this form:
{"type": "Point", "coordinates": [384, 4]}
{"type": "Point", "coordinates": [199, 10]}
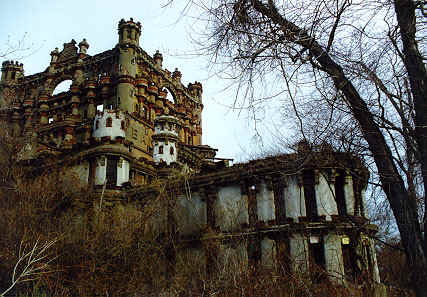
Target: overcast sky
{"type": "Point", "coordinates": [46, 24]}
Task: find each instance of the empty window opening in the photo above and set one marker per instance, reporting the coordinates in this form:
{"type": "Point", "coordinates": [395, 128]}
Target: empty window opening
{"type": "Point", "coordinates": [161, 149]}
{"type": "Point", "coordinates": [211, 196]}
{"type": "Point", "coordinates": [254, 251]}
{"type": "Point", "coordinates": [283, 253]}
{"type": "Point", "coordinates": [109, 122]}
{"type": "Point", "coordinates": [122, 125]}
{"type": "Point", "coordinates": [111, 174]}
{"type": "Point", "coordinates": [97, 124]}
{"type": "Point", "coordinates": [349, 258]}
{"type": "Point", "coordinates": [279, 201]}
{"type": "Point", "coordinates": [171, 151]}
{"type": "Point", "coordinates": [317, 261]}
{"type": "Point", "coordinates": [64, 86]}
{"type": "Point", "coordinates": [252, 206]}
{"type": "Point", "coordinates": [339, 194]}
{"type": "Point", "coordinates": [310, 194]}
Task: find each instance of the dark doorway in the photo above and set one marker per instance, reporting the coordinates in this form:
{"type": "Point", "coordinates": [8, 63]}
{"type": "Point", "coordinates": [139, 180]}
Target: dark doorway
{"type": "Point", "coordinates": [111, 171]}
{"type": "Point", "coordinates": [310, 194]}
{"type": "Point", "coordinates": [317, 259]}
{"type": "Point", "coordinates": [339, 194]}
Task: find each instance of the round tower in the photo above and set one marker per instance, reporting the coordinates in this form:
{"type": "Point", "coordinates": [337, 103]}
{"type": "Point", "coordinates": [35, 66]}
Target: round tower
{"type": "Point", "coordinates": [128, 45]}
{"type": "Point", "coordinates": [109, 123]}
{"type": "Point", "coordinates": [165, 139]}
{"type": "Point", "coordinates": [11, 71]}
{"type": "Point", "coordinates": [129, 32]}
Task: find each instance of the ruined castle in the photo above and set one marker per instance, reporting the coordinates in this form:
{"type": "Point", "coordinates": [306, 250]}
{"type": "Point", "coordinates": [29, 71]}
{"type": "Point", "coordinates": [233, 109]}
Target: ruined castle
{"type": "Point", "coordinates": [126, 122]}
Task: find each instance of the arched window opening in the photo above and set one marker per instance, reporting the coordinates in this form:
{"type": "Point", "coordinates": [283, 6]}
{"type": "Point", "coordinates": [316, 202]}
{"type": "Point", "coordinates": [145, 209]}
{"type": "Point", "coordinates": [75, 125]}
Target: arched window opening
{"type": "Point", "coordinates": [109, 122]}
{"type": "Point", "coordinates": [62, 87]}
{"type": "Point", "coordinates": [97, 124]}
{"type": "Point", "coordinates": [169, 96]}
{"type": "Point", "coordinates": [161, 149]}
{"type": "Point", "coordinates": [172, 151]}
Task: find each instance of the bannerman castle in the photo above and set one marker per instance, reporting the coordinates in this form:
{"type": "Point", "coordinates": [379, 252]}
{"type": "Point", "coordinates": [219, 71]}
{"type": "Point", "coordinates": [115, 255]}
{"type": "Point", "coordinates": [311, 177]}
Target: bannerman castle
{"type": "Point", "coordinates": [126, 123]}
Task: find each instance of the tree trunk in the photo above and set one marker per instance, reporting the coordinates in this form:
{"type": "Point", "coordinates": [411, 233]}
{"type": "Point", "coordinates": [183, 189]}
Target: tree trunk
{"type": "Point", "coordinates": [404, 208]}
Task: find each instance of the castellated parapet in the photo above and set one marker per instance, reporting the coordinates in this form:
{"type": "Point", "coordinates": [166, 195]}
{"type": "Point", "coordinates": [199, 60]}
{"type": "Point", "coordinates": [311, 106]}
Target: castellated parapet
{"type": "Point", "coordinates": [109, 123]}
{"type": "Point", "coordinates": [165, 139]}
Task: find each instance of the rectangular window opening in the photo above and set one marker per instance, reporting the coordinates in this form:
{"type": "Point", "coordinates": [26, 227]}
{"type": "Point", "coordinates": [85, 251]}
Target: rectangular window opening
{"type": "Point", "coordinates": [317, 260]}
{"type": "Point", "coordinates": [310, 194]}
{"type": "Point", "coordinates": [111, 173]}
{"type": "Point", "coordinates": [339, 194]}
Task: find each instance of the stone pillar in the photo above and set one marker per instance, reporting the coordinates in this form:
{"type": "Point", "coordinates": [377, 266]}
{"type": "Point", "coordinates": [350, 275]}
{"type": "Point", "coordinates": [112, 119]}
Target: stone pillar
{"type": "Point", "coordinates": [231, 211]}
{"type": "Point", "coordinates": [69, 138]}
{"type": "Point", "coordinates": [349, 193]}
{"type": "Point", "coordinates": [265, 202]}
{"type": "Point", "coordinates": [299, 252]}
{"type": "Point", "coordinates": [91, 109]}
{"type": "Point", "coordinates": [44, 107]}
{"type": "Point", "coordinates": [325, 194]}
{"type": "Point", "coordinates": [268, 253]}
{"type": "Point", "coordinates": [295, 201]}
{"type": "Point", "coordinates": [375, 272]}
{"type": "Point", "coordinates": [101, 170]}
{"type": "Point", "coordinates": [334, 258]}
{"type": "Point", "coordinates": [122, 171]}
{"type": "Point", "coordinates": [210, 194]}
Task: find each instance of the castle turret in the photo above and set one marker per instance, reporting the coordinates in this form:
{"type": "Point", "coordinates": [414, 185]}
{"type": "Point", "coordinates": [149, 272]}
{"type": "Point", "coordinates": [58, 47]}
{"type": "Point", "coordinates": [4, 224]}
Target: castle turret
{"type": "Point", "coordinates": [129, 32]}
{"type": "Point", "coordinates": [109, 123]}
{"type": "Point", "coordinates": [11, 71]}
{"type": "Point", "coordinates": [165, 139]}
{"type": "Point", "coordinates": [158, 58]}
{"type": "Point", "coordinates": [128, 45]}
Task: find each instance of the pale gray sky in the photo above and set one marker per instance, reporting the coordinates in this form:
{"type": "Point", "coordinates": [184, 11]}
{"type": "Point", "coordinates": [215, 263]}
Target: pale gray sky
{"type": "Point", "coordinates": [46, 24]}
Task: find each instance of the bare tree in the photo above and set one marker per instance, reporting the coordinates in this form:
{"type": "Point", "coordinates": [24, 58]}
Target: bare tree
{"type": "Point", "coordinates": [353, 72]}
{"type": "Point", "coordinates": [31, 264]}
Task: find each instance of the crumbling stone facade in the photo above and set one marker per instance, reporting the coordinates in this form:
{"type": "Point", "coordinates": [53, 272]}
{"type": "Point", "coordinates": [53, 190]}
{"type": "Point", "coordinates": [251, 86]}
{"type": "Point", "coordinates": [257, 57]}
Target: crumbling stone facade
{"type": "Point", "coordinates": [116, 128]}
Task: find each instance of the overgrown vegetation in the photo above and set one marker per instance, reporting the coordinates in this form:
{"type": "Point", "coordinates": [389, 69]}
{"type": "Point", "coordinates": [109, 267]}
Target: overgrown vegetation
{"type": "Point", "coordinates": [87, 246]}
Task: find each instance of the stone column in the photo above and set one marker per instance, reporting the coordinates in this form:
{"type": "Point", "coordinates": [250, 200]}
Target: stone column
{"type": "Point", "coordinates": [299, 252]}
{"type": "Point", "coordinates": [325, 194]}
{"type": "Point", "coordinates": [268, 253]}
{"type": "Point", "coordinates": [101, 170]}
{"type": "Point", "coordinates": [295, 202]}
{"type": "Point", "coordinates": [231, 211]}
{"type": "Point", "coordinates": [349, 193]}
{"type": "Point", "coordinates": [333, 257]}
{"type": "Point", "coordinates": [265, 203]}
{"type": "Point", "coordinates": [44, 107]}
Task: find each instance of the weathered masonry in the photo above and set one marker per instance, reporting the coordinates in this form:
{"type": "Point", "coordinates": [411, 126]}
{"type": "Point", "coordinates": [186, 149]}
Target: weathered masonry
{"type": "Point", "coordinates": [126, 123]}
{"type": "Point", "coordinates": [303, 212]}
{"type": "Point", "coordinates": [103, 126]}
